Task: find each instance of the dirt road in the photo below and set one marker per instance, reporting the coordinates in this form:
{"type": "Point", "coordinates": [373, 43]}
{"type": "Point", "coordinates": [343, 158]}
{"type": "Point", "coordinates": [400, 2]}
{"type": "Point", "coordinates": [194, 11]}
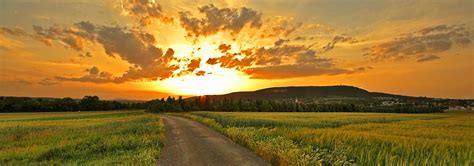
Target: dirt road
{"type": "Point", "coordinates": [191, 143]}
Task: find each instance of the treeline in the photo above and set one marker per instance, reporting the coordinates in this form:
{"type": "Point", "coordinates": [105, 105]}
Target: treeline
{"type": "Point", "coordinates": [206, 104]}
{"type": "Point", "coordinates": [171, 104]}
{"type": "Point", "coordinates": [88, 103]}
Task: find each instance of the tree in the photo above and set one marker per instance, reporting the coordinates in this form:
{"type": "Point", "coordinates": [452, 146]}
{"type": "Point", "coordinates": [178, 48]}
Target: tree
{"type": "Point", "coordinates": [90, 103]}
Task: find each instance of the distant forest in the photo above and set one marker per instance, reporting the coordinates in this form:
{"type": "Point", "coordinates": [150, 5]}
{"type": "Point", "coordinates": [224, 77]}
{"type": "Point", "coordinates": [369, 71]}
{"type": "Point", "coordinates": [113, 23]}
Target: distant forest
{"type": "Point", "coordinates": [255, 105]}
{"type": "Point", "coordinates": [171, 104]}
{"type": "Point", "coordinates": [88, 103]}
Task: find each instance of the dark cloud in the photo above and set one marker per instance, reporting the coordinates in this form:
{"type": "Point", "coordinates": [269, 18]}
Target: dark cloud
{"type": "Point", "coordinates": [93, 70]}
{"type": "Point", "coordinates": [145, 11]}
{"type": "Point", "coordinates": [219, 19]}
{"type": "Point", "coordinates": [232, 20]}
{"type": "Point", "coordinates": [423, 44]}
{"type": "Point", "coordinates": [12, 31]}
{"type": "Point", "coordinates": [302, 38]}
{"type": "Point", "coordinates": [93, 75]}
{"type": "Point", "coordinates": [133, 46]}
{"type": "Point", "coordinates": [138, 48]}
{"type": "Point", "coordinates": [279, 42]}
{"type": "Point", "coordinates": [148, 62]}
{"type": "Point", "coordinates": [85, 55]}
{"type": "Point", "coordinates": [86, 26]}
{"type": "Point", "coordinates": [338, 39]}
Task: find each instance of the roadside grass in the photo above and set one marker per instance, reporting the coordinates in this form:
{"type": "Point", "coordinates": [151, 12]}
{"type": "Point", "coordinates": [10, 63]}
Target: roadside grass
{"type": "Point", "coordinates": [90, 138]}
{"type": "Point", "coordinates": [347, 138]}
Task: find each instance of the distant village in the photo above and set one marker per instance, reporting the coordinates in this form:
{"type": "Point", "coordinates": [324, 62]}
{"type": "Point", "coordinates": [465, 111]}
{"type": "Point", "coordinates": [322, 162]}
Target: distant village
{"type": "Point", "coordinates": [450, 104]}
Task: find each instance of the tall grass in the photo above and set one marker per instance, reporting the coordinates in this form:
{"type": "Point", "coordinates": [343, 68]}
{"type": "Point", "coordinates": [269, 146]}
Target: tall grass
{"type": "Point", "coordinates": [345, 138]}
{"type": "Point", "coordinates": [87, 138]}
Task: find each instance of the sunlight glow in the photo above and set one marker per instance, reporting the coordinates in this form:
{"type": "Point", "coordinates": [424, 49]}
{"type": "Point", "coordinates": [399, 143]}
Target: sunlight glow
{"type": "Point", "coordinates": [216, 81]}
{"type": "Point", "coordinates": [220, 82]}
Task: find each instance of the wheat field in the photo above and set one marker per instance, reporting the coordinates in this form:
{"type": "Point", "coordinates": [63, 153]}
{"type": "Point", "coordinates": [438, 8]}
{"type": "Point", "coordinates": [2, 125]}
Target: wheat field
{"type": "Point", "coordinates": [347, 138]}
{"type": "Point", "coordinates": [84, 138]}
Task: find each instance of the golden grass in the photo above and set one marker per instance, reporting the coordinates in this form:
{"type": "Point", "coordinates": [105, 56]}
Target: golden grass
{"type": "Point", "coordinates": [81, 138]}
{"type": "Point", "coordinates": [344, 138]}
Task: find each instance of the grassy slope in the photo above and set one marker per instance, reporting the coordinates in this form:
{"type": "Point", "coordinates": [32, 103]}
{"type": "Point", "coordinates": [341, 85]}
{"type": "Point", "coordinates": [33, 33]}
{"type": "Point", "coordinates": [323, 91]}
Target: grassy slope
{"type": "Point", "coordinates": [343, 138]}
{"type": "Point", "coordinates": [81, 137]}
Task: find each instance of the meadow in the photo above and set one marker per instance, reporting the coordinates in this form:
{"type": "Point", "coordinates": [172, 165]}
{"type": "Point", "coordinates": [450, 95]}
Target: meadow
{"type": "Point", "coordinates": [84, 138]}
{"type": "Point", "coordinates": [348, 138]}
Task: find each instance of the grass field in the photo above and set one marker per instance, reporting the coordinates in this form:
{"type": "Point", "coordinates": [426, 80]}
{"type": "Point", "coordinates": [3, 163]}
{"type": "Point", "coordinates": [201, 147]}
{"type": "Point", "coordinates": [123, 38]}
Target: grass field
{"type": "Point", "coordinates": [91, 138]}
{"type": "Point", "coordinates": [345, 138]}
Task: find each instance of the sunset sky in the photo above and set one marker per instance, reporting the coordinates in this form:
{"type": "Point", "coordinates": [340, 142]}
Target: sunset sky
{"type": "Point", "coordinates": [139, 49]}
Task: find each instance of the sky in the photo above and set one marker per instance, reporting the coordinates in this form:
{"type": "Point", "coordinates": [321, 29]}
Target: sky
{"type": "Point", "coordinates": [146, 49]}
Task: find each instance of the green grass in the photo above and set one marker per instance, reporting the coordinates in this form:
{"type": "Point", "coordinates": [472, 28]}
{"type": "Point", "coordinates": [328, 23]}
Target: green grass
{"type": "Point", "coordinates": [73, 138]}
{"type": "Point", "coordinates": [346, 138]}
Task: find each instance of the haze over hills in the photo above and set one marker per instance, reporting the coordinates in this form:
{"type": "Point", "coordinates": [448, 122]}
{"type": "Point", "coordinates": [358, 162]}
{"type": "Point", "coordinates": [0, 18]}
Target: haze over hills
{"type": "Point", "coordinates": [306, 92]}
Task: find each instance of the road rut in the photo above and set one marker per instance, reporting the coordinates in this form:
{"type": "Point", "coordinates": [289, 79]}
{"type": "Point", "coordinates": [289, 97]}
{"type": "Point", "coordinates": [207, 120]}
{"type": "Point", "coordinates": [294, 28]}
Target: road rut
{"type": "Point", "coordinates": [191, 143]}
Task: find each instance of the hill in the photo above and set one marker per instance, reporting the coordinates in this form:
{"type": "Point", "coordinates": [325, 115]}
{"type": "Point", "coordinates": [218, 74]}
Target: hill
{"type": "Point", "coordinates": [306, 92]}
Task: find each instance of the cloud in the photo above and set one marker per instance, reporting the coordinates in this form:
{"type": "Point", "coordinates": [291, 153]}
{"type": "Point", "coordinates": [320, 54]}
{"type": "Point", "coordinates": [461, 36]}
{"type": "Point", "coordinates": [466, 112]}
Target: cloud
{"type": "Point", "coordinates": [132, 46]}
{"type": "Point", "coordinates": [302, 38]}
{"type": "Point", "coordinates": [12, 31]}
{"type": "Point", "coordinates": [278, 62]}
{"type": "Point", "coordinates": [148, 62]}
{"type": "Point", "coordinates": [146, 12]}
{"type": "Point", "coordinates": [423, 44]}
{"type": "Point", "coordinates": [72, 38]}
{"type": "Point", "coordinates": [93, 75]}
{"type": "Point", "coordinates": [8, 44]}
{"type": "Point", "coordinates": [216, 20]}
{"type": "Point", "coordinates": [24, 82]}
{"type": "Point", "coordinates": [85, 55]}
{"type": "Point", "coordinates": [200, 73]}
{"type": "Point", "coordinates": [427, 58]}
{"type": "Point", "coordinates": [86, 26]}
{"type": "Point", "coordinates": [279, 42]}
{"type": "Point", "coordinates": [93, 70]}
{"type": "Point", "coordinates": [136, 47]}
{"type": "Point", "coordinates": [292, 71]}
{"type": "Point", "coordinates": [338, 39]}
{"type": "Point", "coordinates": [280, 27]}
{"type": "Point", "coordinates": [212, 20]}
{"type": "Point", "coordinates": [212, 61]}
{"type": "Point", "coordinates": [286, 53]}
{"type": "Point", "coordinates": [194, 64]}
{"type": "Point", "coordinates": [224, 47]}
{"type": "Point", "coordinates": [48, 82]}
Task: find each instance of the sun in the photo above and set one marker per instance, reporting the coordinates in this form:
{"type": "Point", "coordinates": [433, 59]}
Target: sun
{"type": "Point", "coordinates": [217, 83]}
{"type": "Point", "coordinates": [217, 80]}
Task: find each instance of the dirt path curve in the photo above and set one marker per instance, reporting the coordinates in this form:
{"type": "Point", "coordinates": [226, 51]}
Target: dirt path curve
{"type": "Point", "coordinates": [191, 143]}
